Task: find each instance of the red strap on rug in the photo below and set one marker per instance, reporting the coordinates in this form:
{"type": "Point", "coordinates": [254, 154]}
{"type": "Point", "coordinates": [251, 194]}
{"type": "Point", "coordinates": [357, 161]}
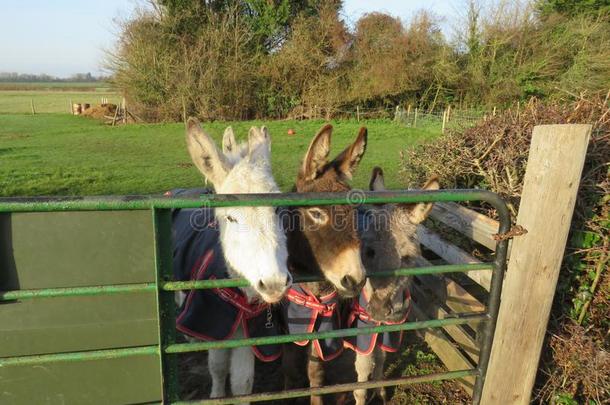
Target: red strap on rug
{"type": "Point", "coordinates": [311, 302]}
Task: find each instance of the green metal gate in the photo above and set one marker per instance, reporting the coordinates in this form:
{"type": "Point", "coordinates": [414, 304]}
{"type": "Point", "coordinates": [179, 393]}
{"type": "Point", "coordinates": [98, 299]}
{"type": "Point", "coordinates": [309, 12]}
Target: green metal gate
{"type": "Point", "coordinates": [163, 288]}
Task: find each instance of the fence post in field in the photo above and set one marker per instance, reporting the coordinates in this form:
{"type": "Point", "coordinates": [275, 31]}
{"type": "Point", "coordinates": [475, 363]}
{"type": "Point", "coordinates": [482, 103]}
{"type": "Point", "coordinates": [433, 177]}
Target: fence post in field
{"type": "Point", "coordinates": [449, 111]}
{"type": "Point", "coordinates": [358, 113]}
{"type": "Point", "coordinates": [444, 120]}
{"type": "Point", "coordinates": [32, 106]}
{"type": "Point", "coordinates": [415, 119]}
{"type": "Point", "coordinates": [124, 103]}
{"type": "Point", "coordinates": [408, 111]}
{"type": "Point", "coordinates": [183, 111]}
{"type": "Point", "coordinates": [494, 112]}
{"type": "Point", "coordinates": [70, 106]}
{"type": "Point", "coordinates": [556, 158]}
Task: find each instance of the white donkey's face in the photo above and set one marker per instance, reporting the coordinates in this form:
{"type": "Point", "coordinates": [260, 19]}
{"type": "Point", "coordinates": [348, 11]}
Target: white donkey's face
{"type": "Point", "coordinates": [253, 241]}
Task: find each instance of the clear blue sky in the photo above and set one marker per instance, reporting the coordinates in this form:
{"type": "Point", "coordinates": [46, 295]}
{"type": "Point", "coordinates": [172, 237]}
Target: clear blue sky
{"type": "Point", "coordinates": [62, 37]}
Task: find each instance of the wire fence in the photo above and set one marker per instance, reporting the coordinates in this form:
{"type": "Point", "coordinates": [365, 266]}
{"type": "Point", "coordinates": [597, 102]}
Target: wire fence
{"type": "Point", "coordinates": [409, 116]}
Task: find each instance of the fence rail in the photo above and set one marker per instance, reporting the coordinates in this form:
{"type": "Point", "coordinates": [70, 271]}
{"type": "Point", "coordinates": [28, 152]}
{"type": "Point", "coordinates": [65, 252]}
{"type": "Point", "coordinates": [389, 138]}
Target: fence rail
{"type": "Point", "coordinates": [164, 286]}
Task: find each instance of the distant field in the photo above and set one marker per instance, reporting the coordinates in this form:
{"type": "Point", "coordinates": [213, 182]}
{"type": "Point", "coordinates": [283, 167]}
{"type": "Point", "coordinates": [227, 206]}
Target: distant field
{"type": "Point", "coordinates": [52, 97]}
{"type": "Point", "coordinates": [19, 101]}
{"type": "Point", "coordinates": [60, 154]}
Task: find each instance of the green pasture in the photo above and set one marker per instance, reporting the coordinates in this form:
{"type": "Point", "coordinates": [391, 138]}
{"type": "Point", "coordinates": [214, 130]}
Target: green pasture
{"type": "Point", "coordinates": [61, 154]}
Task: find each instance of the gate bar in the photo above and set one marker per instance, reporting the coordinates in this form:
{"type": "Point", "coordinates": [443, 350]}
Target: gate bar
{"type": "Point", "coordinates": [217, 283]}
{"type": "Point", "coordinates": [457, 319]}
{"type": "Point", "coordinates": [143, 202]}
{"type": "Point", "coordinates": [286, 394]}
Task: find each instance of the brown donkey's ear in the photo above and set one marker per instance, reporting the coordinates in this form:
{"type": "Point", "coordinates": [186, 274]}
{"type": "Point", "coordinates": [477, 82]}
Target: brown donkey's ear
{"type": "Point", "coordinates": [210, 161]}
{"type": "Point", "coordinates": [419, 212]}
{"type": "Point", "coordinates": [377, 183]}
{"type": "Point", "coordinates": [317, 153]}
{"type": "Point", "coordinates": [348, 160]}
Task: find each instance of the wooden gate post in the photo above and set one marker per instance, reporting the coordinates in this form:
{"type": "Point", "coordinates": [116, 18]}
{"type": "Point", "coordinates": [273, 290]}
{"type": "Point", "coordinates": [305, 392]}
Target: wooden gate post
{"type": "Point", "coordinates": [556, 158]}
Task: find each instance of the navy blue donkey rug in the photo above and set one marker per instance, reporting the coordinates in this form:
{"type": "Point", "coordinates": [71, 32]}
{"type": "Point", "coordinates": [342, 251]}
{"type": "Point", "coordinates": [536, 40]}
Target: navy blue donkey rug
{"type": "Point", "coordinates": [214, 314]}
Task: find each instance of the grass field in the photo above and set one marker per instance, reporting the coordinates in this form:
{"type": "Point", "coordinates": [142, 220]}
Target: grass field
{"type": "Point", "coordinates": [60, 154]}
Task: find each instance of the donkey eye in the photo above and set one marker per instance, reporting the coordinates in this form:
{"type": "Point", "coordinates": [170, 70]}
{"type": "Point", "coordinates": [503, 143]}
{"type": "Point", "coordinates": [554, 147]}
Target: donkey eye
{"type": "Point", "coordinates": [317, 215]}
{"type": "Point", "coordinates": [231, 219]}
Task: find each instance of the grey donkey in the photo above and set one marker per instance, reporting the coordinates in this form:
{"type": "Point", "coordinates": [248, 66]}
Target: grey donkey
{"type": "Point", "coordinates": [389, 242]}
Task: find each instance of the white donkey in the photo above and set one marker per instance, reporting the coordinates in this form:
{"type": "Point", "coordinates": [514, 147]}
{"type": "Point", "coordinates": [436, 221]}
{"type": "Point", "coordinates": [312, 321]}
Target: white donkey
{"type": "Point", "coordinates": [252, 239]}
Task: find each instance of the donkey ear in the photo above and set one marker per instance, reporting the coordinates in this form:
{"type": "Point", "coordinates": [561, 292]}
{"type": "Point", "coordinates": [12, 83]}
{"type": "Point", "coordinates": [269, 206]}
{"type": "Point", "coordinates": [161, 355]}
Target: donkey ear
{"type": "Point", "coordinates": [259, 143]}
{"type": "Point", "coordinates": [419, 212]}
{"type": "Point", "coordinates": [317, 153]}
{"type": "Point", "coordinates": [229, 143]}
{"type": "Point", "coordinates": [206, 156]}
{"type": "Point", "coordinates": [377, 183]}
{"type": "Point", "coordinates": [348, 160]}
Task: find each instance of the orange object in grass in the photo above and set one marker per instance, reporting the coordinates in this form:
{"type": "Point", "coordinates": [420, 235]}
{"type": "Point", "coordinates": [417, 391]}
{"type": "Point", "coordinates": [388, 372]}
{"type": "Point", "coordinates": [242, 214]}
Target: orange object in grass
{"type": "Point", "coordinates": [291, 132]}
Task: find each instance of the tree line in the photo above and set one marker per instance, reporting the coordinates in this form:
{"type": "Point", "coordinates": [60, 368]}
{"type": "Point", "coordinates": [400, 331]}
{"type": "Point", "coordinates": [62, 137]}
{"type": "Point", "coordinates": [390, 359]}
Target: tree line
{"type": "Point", "coordinates": [14, 77]}
{"type": "Point", "coordinates": [239, 59]}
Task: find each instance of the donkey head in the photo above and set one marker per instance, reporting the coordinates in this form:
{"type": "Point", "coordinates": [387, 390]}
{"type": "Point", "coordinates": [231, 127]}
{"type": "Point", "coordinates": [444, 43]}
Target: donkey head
{"type": "Point", "coordinates": [326, 240]}
{"type": "Point", "coordinates": [253, 241]}
{"type": "Point", "coordinates": [389, 241]}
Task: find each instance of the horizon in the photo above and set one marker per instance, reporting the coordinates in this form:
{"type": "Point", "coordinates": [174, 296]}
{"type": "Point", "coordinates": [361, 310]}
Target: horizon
{"type": "Point", "coordinates": [77, 35]}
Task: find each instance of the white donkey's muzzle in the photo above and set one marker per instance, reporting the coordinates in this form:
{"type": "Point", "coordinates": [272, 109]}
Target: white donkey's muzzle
{"type": "Point", "coordinates": [273, 289]}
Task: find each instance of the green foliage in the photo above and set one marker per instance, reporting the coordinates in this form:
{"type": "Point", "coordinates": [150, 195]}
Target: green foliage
{"type": "Point", "coordinates": [564, 399]}
{"type": "Point", "coordinates": [573, 7]}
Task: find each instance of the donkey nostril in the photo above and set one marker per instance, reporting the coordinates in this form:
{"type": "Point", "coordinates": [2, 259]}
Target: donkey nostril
{"type": "Point", "coordinates": [389, 310]}
{"type": "Point", "coordinates": [261, 285]}
{"type": "Point", "coordinates": [348, 282]}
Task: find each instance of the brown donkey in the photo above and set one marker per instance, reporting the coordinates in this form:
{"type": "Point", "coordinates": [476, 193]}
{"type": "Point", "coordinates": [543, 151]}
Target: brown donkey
{"type": "Point", "coordinates": [389, 241]}
{"type": "Point", "coordinates": [323, 241]}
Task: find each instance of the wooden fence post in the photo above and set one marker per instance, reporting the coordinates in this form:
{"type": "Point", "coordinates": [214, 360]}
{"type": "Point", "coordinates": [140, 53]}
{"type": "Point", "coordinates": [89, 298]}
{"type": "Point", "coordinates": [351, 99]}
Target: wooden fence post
{"type": "Point", "coordinates": [556, 158]}
{"type": "Point", "coordinates": [408, 111]}
{"type": "Point", "coordinates": [124, 104]}
{"type": "Point", "coordinates": [444, 120]}
{"type": "Point", "coordinates": [415, 119]}
{"type": "Point", "coordinates": [358, 113]}
{"type": "Point", "coordinates": [32, 106]}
